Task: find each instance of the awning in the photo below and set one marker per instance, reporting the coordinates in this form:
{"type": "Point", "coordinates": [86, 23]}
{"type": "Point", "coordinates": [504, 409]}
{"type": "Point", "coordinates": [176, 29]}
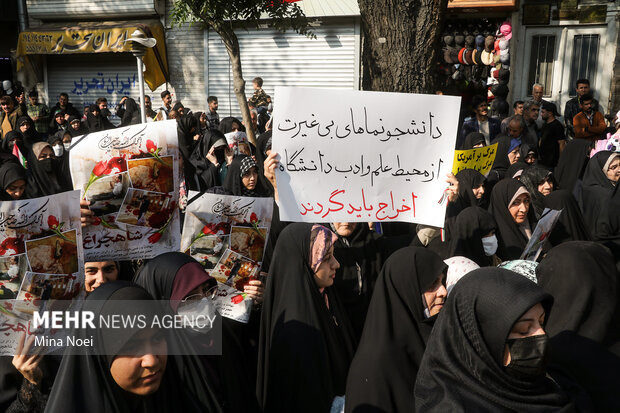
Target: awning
{"type": "Point", "coordinates": [483, 4]}
{"type": "Point", "coordinates": [99, 37]}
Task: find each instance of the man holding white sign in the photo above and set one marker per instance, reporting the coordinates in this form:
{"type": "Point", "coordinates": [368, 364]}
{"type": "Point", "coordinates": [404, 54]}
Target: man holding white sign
{"type": "Point", "coordinates": [352, 156]}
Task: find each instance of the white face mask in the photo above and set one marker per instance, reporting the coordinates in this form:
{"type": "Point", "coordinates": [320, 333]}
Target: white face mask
{"type": "Point", "coordinates": [203, 311]}
{"type": "Point", "coordinates": [66, 145]}
{"type": "Point", "coordinates": [58, 149]}
{"type": "Point", "coordinates": [490, 245]}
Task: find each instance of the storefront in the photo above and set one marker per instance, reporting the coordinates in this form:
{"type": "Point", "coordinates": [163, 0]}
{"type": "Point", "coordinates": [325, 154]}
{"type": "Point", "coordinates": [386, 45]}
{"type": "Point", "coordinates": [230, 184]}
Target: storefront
{"type": "Point", "coordinates": [477, 48]}
{"type": "Point", "coordinates": [92, 60]}
{"type": "Point", "coordinates": [560, 43]}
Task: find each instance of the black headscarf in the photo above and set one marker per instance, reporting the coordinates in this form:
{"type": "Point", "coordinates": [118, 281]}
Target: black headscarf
{"type": "Point", "coordinates": [94, 123]}
{"type": "Point", "coordinates": [305, 348]}
{"type": "Point", "coordinates": [65, 169]}
{"type": "Point", "coordinates": [187, 128]}
{"type": "Point", "coordinates": [462, 371]}
{"type": "Point", "coordinates": [531, 178]}
{"type": "Point", "coordinates": [473, 138]}
{"type": "Point", "coordinates": [263, 142]}
{"type": "Point", "coordinates": [361, 256]}
{"type": "Point", "coordinates": [172, 276]}
{"type": "Point", "coordinates": [383, 372]}
{"type": "Point", "coordinates": [468, 180]}
{"type": "Point", "coordinates": [159, 276]}
{"type": "Point", "coordinates": [46, 176]}
{"type": "Point", "coordinates": [584, 281]}
{"type": "Point", "coordinates": [516, 167]}
{"type": "Point", "coordinates": [131, 115]}
{"type": "Point", "coordinates": [510, 238]}
{"type": "Point", "coordinates": [471, 225]}
{"type": "Point", "coordinates": [207, 174]}
{"type": "Point", "coordinates": [82, 130]}
{"type": "Point", "coordinates": [84, 382]}
{"type": "Point", "coordinates": [570, 226]}
{"type": "Point", "coordinates": [31, 136]}
{"type": "Point", "coordinates": [501, 163]}
{"type": "Point", "coordinates": [18, 139]}
{"type": "Point", "coordinates": [226, 124]}
{"type": "Point", "coordinates": [572, 163]}
{"type": "Point", "coordinates": [597, 189]}
{"type": "Point", "coordinates": [240, 165]}
{"type": "Point", "coordinates": [526, 149]}
{"type": "Point", "coordinates": [10, 172]}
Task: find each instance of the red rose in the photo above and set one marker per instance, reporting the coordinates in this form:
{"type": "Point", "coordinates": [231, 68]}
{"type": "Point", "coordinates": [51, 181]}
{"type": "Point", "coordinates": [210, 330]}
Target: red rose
{"type": "Point", "coordinates": [237, 299]}
{"type": "Point", "coordinates": [253, 218]}
{"type": "Point", "coordinates": [52, 222]}
{"type": "Point", "coordinates": [150, 146]}
{"type": "Point", "coordinates": [154, 238]}
{"type": "Point", "coordinates": [207, 229]}
{"type": "Point", "coordinates": [96, 221]}
{"type": "Point", "coordinates": [101, 168]}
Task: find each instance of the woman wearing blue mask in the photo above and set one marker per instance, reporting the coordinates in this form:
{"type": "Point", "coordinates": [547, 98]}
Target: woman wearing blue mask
{"type": "Point", "coordinates": [473, 236]}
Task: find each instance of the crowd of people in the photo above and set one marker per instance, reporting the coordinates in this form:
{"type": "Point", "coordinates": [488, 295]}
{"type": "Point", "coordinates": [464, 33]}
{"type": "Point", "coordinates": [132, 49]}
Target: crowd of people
{"type": "Point", "coordinates": [353, 317]}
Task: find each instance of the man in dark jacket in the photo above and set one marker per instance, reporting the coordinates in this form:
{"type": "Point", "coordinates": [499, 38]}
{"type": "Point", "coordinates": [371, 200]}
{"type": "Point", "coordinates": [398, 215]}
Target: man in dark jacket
{"type": "Point", "coordinates": [489, 127]}
{"type": "Point", "coordinates": [64, 105]}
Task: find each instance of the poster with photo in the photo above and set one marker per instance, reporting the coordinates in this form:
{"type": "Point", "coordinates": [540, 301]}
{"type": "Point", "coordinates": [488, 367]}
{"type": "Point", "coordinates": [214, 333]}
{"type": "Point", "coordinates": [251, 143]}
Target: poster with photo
{"type": "Point", "coordinates": [130, 176]}
{"type": "Point", "coordinates": [41, 260]}
{"type": "Point", "coordinates": [545, 224]}
{"type": "Point", "coordinates": [227, 235]}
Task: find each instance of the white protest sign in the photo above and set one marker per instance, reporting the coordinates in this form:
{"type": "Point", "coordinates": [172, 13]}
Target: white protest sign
{"type": "Point", "coordinates": [353, 156]}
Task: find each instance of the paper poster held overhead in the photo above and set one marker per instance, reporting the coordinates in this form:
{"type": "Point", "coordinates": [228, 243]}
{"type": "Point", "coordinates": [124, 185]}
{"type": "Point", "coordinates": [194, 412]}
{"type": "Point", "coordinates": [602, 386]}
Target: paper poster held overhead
{"type": "Point", "coordinates": [353, 156]}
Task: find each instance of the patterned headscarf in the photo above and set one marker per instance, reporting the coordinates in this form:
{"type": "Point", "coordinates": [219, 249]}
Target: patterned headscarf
{"type": "Point", "coordinates": [247, 164]}
{"type": "Point", "coordinates": [321, 240]}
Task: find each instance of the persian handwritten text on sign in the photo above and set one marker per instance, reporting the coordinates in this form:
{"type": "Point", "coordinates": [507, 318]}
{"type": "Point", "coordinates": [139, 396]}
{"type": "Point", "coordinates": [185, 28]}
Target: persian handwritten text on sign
{"type": "Point", "coordinates": [352, 156]}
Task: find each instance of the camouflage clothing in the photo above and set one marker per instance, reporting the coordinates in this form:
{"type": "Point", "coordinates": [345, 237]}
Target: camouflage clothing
{"type": "Point", "coordinates": [259, 98]}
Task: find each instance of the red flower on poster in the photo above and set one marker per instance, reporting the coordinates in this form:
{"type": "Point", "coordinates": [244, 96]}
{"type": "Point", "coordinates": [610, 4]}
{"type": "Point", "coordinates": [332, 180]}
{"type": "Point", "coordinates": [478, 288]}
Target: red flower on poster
{"type": "Point", "coordinates": [154, 238]}
{"type": "Point", "coordinates": [52, 222]}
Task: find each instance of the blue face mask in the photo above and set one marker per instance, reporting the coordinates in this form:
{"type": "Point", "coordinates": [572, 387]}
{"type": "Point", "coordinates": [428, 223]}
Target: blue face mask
{"type": "Point", "coordinates": [490, 245]}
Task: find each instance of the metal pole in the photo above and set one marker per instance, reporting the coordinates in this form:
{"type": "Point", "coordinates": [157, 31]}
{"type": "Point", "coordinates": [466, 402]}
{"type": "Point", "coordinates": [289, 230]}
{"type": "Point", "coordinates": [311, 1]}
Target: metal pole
{"type": "Point", "coordinates": [141, 84]}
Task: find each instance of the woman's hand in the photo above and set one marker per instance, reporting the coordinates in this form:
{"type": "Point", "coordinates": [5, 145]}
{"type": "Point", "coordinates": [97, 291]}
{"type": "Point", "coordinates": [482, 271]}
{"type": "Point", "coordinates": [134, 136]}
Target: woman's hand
{"type": "Point", "coordinates": [453, 189]}
{"type": "Point", "coordinates": [228, 152]}
{"type": "Point", "coordinates": [270, 165]}
{"type": "Point", "coordinates": [254, 289]}
{"type": "Point", "coordinates": [85, 213]}
{"type": "Point", "coordinates": [28, 364]}
{"type": "Point", "coordinates": [211, 156]}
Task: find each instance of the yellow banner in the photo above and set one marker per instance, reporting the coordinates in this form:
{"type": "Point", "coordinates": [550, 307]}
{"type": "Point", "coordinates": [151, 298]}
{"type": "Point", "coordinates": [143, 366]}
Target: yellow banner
{"type": "Point", "coordinates": [96, 40]}
{"type": "Point", "coordinates": [480, 159]}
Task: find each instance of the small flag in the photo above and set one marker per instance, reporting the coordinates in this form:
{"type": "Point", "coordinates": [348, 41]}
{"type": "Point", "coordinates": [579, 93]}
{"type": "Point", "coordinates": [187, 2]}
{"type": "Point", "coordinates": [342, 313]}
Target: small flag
{"type": "Point", "coordinates": [20, 156]}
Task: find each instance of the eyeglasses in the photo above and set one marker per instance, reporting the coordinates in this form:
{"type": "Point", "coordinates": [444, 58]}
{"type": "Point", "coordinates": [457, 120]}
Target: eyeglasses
{"type": "Point", "coordinates": [209, 291]}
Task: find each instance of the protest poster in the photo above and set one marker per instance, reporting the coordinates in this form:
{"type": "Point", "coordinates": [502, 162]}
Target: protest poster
{"type": "Point", "coordinates": [130, 176]}
{"type": "Point", "coordinates": [227, 235]}
{"type": "Point", "coordinates": [480, 159]}
{"type": "Point", "coordinates": [354, 156]}
{"type": "Point", "coordinates": [41, 260]}
{"type": "Point", "coordinates": [546, 223]}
